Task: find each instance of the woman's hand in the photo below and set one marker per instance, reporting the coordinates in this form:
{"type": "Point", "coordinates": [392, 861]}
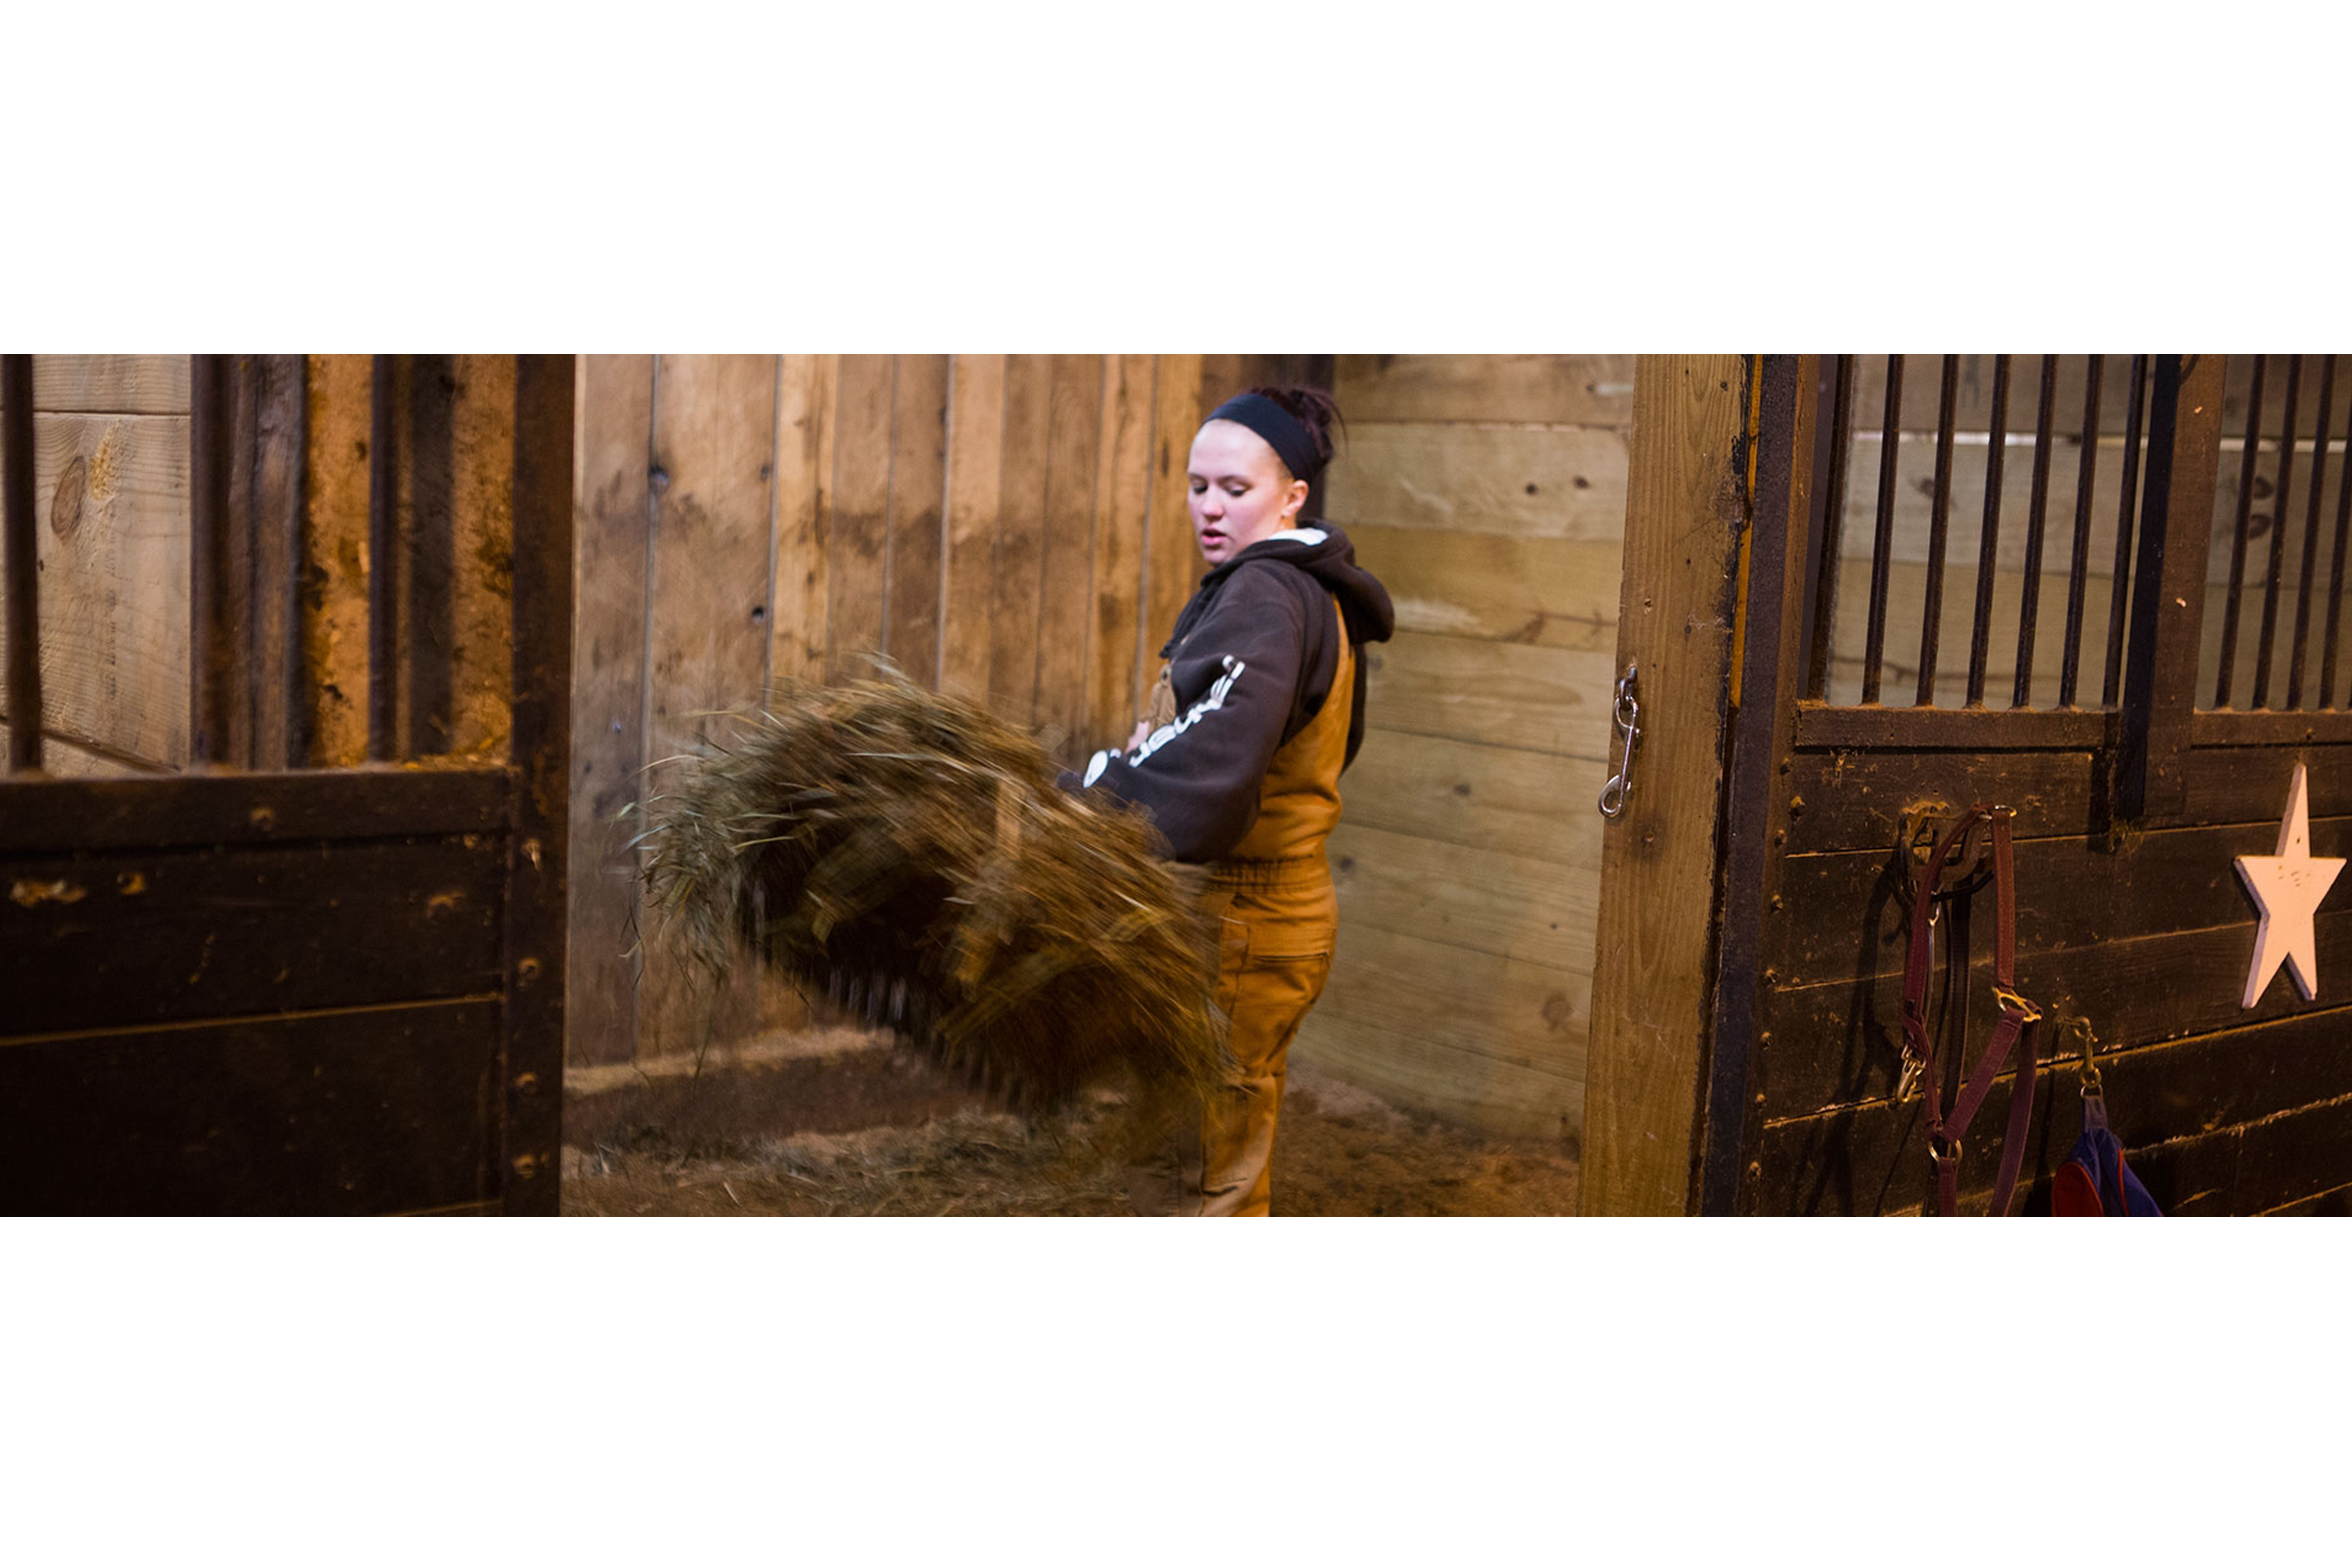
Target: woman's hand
{"type": "Point", "coordinates": [1142, 733]}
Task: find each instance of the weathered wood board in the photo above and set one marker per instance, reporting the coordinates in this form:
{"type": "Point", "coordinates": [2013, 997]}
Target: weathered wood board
{"type": "Point", "coordinates": [1549, 699]}
{"type": "Point", "coordinates": [1659, 859]}
{"type": "Point", "coordinates": [1065, 610]}
{"type": "Point", "coordinates": [975, 478]}
{"type": "Point", "coordinates": [799, 619]}
{"type": "Point", "coordinates": [1555, 593]}
{"type": "Point", "coordinates": [110, 500]}
{"type": "Point", "coordinates": [335, 559]}
{"type": "Point", "coordinates": [1536, 481]}
{"type": "Point", "coordinates": [919, 436]}
{"type": "Point", "coordinates": [1017, 608]}
{"type": "Point", "coordinates": [714, 423]}
{"type": "Point", "coordinates": [614, 499]}
{"type": "Point", "coordinates": [1122, 514]}
{"type": "Point", "coordinates": [1488, 900]}
{"type": "Point", "coordinates": [1449, 1022]}
{"type": "Point", "coordinates": [1549, 389]}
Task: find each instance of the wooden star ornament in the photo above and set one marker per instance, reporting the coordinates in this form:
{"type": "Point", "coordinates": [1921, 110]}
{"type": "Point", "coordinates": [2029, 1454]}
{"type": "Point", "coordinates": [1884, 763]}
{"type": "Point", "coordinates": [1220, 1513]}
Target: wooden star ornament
{"type": "Point", "coordinates": [2286, 888]}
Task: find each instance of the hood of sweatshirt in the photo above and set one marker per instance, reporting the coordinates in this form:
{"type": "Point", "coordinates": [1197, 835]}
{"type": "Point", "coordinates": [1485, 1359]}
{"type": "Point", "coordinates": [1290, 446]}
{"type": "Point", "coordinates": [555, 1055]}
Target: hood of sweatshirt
{"type": "Point", "coordinates": [1323, 550]}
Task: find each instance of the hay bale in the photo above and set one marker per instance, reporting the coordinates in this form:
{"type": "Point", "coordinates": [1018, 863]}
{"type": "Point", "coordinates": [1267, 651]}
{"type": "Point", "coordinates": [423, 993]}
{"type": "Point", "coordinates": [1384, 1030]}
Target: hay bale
{"type": "Point", "coordinates": [911, 857]}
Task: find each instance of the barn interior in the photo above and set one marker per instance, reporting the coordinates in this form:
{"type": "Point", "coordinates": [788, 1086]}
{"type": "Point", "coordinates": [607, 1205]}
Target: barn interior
{"type": "Point", "coordinates": [358, 678]}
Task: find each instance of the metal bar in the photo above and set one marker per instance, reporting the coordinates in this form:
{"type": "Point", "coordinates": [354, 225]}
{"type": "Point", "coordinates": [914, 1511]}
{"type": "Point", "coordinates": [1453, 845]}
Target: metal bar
{"type": "Point", "coordinates": [2311, 534]}
{"type": "Point", "coordinates": [1931, 623]}
{"type": "Point", "coordinates": [1771, 659]}
{"type": "Point", "coordinates": [2078, 572]}
{"type": "Point", "coordinates": [2336, 575]}
{"type": "Point", "coordinates": [2176, 528]}
{"type": "Point", "coordinates": [211, 638]}
{"type": "Point", "coordinates": [2030, 603]}
{"type": "Point", "coordinates": [383, 565]}
{"type": "Point", "coordinates": [532, 1064]}
{"type": "Point", "coordinates": [1890, 444]}
{"type": "Point", "coordinates": [1825, 584]}
{"type": "Point", "coordinates": [1988, 552]}
{"type": "Point", "coordinates": [2238, 540]}
{"type": "Point", "coordinates": [22, 565]}
{"type": "Point", "coordinates": [2119, 594]}
{"type": "Point", "coordinates": [2285, 496]}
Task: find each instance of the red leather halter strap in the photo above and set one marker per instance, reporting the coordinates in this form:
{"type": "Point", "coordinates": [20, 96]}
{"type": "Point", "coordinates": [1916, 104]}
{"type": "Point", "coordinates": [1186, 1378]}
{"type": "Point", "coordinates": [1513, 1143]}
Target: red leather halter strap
{"type": "Point", "coordinates": [2019, 1019]}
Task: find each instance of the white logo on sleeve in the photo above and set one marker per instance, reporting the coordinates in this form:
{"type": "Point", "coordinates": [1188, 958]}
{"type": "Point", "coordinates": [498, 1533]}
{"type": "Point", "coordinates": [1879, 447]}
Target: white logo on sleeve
{"type": "Point", "coordinates": [1209, 704]}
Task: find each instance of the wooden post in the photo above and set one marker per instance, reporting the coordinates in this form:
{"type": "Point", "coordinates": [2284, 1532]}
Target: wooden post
{"type": "Point", "coordinates": [2184, 453]}
{"type": "Point", "coordinates": [545, 391]}
{"type": "Point", "coordinates": [1651, 999]}
{"type": "Point", "coordinates": [18, 575]}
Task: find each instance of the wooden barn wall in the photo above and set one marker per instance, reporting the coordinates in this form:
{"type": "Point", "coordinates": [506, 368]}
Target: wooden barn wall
{"type": "Point", "coordinates": [110, 500]}
{"type": "Point", "coordinates": [112, 492]}
{"type": "Point", "coordinates": [1010, 527]}
{"type": "Point", "coordinates": [1488, 493]}
{"type": "Point", "coordinates": [2143, 931]}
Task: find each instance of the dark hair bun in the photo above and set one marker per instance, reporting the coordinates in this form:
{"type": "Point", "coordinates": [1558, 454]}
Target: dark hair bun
{"type": "Point", "coordinates": [1311, 406]}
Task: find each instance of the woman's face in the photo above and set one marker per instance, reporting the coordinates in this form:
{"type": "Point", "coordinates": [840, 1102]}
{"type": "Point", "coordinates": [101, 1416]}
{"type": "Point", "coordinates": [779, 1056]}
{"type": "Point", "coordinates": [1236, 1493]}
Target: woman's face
{"type": "Point", "coordinates": [1240, 491]}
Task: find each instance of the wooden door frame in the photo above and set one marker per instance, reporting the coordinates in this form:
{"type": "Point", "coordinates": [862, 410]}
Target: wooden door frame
{"type": "Point", "coordinates": [1654, 954]}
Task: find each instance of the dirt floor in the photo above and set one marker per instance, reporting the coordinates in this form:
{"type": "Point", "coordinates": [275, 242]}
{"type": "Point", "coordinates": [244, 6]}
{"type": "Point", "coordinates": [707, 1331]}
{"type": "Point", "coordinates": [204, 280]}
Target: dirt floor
{"type": "Point", "coordinates": [799, 1137]}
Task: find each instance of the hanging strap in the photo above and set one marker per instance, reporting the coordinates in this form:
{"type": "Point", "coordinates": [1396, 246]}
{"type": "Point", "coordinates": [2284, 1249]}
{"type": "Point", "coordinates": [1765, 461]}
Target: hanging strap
{"type": "Point", "coordinates": [2019, 1024]}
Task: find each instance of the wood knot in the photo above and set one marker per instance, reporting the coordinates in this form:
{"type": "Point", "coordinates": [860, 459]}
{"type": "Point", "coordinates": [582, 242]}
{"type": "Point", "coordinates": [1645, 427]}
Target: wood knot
{"type": "Point", "coordinates": [65, 503]}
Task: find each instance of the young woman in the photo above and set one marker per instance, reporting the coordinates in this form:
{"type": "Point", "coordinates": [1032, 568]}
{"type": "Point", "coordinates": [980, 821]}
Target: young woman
{"type": "Point", "coordinates": [1258, 708]}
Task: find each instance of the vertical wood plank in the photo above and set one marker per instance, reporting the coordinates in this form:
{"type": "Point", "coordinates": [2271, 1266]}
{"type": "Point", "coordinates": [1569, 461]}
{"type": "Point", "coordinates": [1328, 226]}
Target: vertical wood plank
{"type": "Point", "coordinates": [1221, 375]}
{"type": "Point", "coordinates": [1065, 618]}
{"type": "Point", "coordinates": [918, 431]}
{"type": "Point", "coordinates": [1650, 998]}
{"type": "Point", "coordinates": [1764, 683]}
{"type": "Point", "coordinates": [608, 689]}
{"type": "Point", "coordinates": [1173, 566]}
{"type": "Point", "coordinates": [542, 418]}
{"type": "Point", "coordinates": [277, 492]}
{"type": "Point", "coordinates": [798, 609]}
{"type": "Point", "coordinates": [110, 499]}
{"type": "Point", "coordinates": [482, 430]}
{"type": "Point", "coordinates": [1020, 542]}
{"type": "Point", "coordinates": [241, 382]}
{"type": "Point", "coordinates": [974, 463]}
{"type": "Point", "coordinates": [858, 525]}
{"type": "Point", "coordinates": [334, 561]}
{"type": "Point", "coordinates": [806, 385]}
{"type": "Point", "coordinates": [20, 591]}
{"type": "Point", "coordinates": [714, 433]}
{"type": "Point", "coordinates": [1122, 516]}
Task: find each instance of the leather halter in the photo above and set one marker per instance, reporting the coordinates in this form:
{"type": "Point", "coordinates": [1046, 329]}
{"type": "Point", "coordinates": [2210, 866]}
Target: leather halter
{"type": "Point", "coordinates": [2019, 1019]}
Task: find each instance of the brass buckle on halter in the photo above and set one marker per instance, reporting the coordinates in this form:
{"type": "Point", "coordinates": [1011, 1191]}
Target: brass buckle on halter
{"type": "Point", "coordinates": [1911, 1066]}
{"type": "Point", "coordinates": [2028, 1012]}
{"type": "Point", "coordinates": [1933, 1139]}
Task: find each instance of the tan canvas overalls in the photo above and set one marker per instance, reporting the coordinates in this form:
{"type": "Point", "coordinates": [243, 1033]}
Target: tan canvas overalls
{"type": "Point", "coordinates": [1280, 919]}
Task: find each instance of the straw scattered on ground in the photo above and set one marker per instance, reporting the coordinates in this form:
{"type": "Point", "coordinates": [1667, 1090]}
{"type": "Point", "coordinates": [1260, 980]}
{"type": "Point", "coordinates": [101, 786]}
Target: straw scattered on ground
{"type": "Point", "coordinates": [1339, 1152]}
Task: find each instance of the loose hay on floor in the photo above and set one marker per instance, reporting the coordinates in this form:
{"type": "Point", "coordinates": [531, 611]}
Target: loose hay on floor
{"type": "Point", "coordinates": [1339, 1152]}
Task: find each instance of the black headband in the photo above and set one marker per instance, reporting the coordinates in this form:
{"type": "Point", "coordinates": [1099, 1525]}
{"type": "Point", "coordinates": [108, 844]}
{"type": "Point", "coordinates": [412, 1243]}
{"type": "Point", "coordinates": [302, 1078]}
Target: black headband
{"type": "Point", "coordinates": [1279, 429]}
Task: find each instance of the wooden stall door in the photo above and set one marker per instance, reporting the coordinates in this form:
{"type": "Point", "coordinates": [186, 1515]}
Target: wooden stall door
{"type": "Point", "coordinates": [336, 991]}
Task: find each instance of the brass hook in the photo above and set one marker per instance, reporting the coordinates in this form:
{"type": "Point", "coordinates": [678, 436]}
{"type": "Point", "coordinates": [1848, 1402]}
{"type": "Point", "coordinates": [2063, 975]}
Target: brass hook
{"type": "Point", "coordinates": [2092, 1087]}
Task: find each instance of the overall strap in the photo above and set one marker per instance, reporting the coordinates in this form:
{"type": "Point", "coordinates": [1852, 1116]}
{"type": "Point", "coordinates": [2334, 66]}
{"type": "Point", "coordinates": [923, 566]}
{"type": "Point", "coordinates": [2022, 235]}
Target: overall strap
{"type": "Point", "coordinates": [2019, 1019]}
